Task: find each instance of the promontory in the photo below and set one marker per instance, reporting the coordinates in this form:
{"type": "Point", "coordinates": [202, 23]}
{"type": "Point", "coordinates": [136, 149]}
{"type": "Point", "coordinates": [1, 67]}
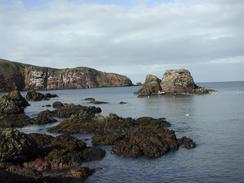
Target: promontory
{"type": "Point", "coordinates": [14, 75]}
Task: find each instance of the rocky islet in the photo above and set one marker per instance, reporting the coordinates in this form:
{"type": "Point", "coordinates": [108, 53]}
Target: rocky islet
{"type": "Point", "coordinates": [174, 81]}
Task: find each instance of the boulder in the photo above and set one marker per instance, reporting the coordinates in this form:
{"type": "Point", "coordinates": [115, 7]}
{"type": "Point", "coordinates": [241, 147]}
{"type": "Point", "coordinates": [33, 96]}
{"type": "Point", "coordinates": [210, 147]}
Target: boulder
{"type": "Point", "coordinates": [150, 143]}
{"type": "Point", "coordinates": [67, 110]}
{"type": "Point", "coordinates": [81, 173]}
{"type": "Point", "coordinates": [14, 120]}
{"type": "Point", "coordinates": [36, 96]}
{"type": "Point", "coordinates": [16, 146]}
{"type": "Point", "coordinates": [151, 86]}
{"type": "Point", "coordinates": [44, 117]}
{"type": "Point", "coordinates": [58, 104]}
{"type": "Point", "coordinates": [187, 143]}
{"type": "Point", "coordinates": [93, 153]}
{"type": "Point", "coordinates": [12, 103]}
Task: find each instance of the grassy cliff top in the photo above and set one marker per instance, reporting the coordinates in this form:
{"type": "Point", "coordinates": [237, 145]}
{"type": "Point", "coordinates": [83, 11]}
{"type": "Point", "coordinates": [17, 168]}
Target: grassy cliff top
{"type": "Point", "coordinates": [10, 68]}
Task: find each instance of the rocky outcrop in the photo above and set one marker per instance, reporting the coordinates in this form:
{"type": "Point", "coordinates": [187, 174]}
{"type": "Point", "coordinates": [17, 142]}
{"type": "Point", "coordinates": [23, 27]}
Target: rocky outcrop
{"type": "Point", "coordinates": [180, 81]}
{"type": "Point", "coordinates": [15, 75]}
{"type": "Point", "coordinates": [31, 155]}
{"type": "Point", "coordinates": [44, 117]}
{"type": "Point", "coordinates": [175, 81]}
{"type": "Point", "coordinates": [16, 147]}
{"type": "Point", "coordinates": [12, 108]}
{"type": "Point", "coordinates": [36, 96]}
{"type": "Point", "coordinates": [151, 86]}
{"type": "Point", "coordinates": [129, 137]}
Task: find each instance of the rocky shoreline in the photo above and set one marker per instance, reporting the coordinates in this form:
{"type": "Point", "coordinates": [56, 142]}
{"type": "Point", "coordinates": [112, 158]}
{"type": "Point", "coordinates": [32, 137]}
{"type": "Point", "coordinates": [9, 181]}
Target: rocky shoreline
{"type": "Point", "coordinates": [26, 157]}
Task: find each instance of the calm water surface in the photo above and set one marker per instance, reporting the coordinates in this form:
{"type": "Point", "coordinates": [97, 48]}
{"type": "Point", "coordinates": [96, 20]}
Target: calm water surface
{"type": "Point", "coordinates": [215, 122]}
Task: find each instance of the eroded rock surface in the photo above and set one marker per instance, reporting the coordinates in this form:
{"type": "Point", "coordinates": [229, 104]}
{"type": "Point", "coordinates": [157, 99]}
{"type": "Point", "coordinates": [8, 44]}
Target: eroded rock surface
{"type": "Point", "coordinates": [129, 137]}
{"type": "Point", "coordinates": [12, 108]}
{"type": "Point", "coordinates": [36, 96]}
{"type": "Point", "coordinates": [151, 86]}
{"type": "Point", "coordinates": [175, 81]}
{"type": "Point", "coordinates": [29, 155]}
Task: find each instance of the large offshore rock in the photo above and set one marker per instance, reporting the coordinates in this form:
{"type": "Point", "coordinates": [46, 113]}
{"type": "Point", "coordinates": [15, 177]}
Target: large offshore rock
{"type": "Point", "coordinates": [175, 81]}
{"type": "Point", "coordinates": [151, 86]}
{"type": "Point", "coordinates": [180, 81]}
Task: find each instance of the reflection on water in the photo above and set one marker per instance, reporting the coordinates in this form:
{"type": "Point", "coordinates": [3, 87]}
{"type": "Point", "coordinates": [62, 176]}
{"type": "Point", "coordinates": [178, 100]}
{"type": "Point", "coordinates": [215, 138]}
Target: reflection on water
{"type": "Point", "coordinates": [215, 122]}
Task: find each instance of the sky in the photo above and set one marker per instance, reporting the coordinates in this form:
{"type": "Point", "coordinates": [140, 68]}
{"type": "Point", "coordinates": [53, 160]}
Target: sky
{"type": "Point", "coordinates": [130, 37]}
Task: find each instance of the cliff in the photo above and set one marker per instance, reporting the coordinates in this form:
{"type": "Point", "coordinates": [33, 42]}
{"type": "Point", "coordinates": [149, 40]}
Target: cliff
{"type": "Point", "coordinates": [14, 75]}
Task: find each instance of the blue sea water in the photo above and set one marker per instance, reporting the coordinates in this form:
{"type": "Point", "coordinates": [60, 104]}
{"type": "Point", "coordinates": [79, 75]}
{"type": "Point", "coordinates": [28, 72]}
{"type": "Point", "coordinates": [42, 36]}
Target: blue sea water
{"type": "Point", "coordinates": [215, 122]}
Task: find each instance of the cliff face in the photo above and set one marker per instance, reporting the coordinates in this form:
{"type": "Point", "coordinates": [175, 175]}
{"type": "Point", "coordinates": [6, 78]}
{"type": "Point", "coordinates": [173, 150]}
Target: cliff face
{"type": "Point", "coordinates": [23, 77]}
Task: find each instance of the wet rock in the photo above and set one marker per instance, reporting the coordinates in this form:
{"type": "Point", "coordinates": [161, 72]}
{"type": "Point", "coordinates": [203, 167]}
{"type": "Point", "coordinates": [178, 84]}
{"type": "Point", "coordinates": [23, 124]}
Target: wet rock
{"type": "Point", "coordinates": [12, 108]}
{"type": "Point", "coordinates": [93, 153]}
{"type": "Point", "coordinates": [150, 122]}
{"type": "Point", "coordinates": [67, 110]}
{"type": "Point", "coordinates": [151, 86]}
{"type": "Point", "coordinates": [122, 102]}
{"type": "Point", "coordinates": [106, 138]}
{"type": "Point", "coordinates": [97, 102]}
{"type": "Point", "coordinates": [44, 117]}
{"type": "Point", "coordinates": [14, 120]}
{"type": "Point", "coordinates": [58, 105]}
{"type": "Point", "coordinates": [187, 143]}
{"type": "Point", "coordinates": [19, 170]}
{"type": "Point", "coordinates": [36, 96]}
{"type": "Point", "coordinates": [16, 147]}
{"type": "Point", "coordinates": [90, 99]}
{"type": "Point", "coordinates": [48, 105]}
{"type": "Point", "coordinates": [38, 164]}
{"type": "Point", "coordinates": [81, 173]}
{"type": "Point", "coordinates": [50, 95]}
{"type": "Point", "coordinates": [151, 144]}
{"type": "Point", "coordinates": [8, 177]}
{"type": "Point", "coordinates": [12, 103]}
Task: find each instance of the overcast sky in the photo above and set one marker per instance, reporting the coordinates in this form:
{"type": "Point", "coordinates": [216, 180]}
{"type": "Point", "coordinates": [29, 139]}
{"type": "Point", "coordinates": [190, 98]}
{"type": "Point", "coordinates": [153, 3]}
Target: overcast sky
{"type": "Point", "coordinates": [131, 37]}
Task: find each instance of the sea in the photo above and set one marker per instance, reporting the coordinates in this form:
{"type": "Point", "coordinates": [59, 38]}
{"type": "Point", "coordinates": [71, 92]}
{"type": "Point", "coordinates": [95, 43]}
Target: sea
{"type": "Point", "coordinates": [215, 122]}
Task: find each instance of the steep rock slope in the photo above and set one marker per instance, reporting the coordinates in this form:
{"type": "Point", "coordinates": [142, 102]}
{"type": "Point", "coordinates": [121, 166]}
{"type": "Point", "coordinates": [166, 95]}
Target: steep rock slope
{"type": "Point", "coordinates": [20, 76]}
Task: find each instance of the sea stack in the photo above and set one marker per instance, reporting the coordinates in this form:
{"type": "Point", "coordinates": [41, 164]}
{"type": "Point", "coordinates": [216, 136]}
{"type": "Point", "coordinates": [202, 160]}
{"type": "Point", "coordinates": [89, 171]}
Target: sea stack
{"type": "Point", "coordinates": [175, 81]}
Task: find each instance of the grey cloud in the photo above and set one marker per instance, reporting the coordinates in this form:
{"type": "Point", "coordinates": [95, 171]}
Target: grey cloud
{"type": "Point", "coordinates": [63, 34]}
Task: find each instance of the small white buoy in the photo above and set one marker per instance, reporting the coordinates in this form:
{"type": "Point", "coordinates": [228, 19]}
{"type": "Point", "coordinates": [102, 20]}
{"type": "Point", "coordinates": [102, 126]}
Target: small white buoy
{"type": "Point", "coordinates": [187, 114]}
{"type": "Point", "coordinates": [148, 96]}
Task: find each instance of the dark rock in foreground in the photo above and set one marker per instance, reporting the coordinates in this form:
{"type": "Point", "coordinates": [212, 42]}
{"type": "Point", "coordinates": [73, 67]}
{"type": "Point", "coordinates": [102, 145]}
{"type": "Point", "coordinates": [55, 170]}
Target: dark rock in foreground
{"type": "Point", "coordinates": [129, 137]}
{"type": "Point", "coordinates": [36, 96]}
{"type": "Point", "coordinates": [14, 120]}
{"type": "Point", "coordinates": [12, 103]}
{"type": "Point", "coordinates": [67, 110]}
{"type": "Point", "coordinates": [12, 108]}
{"type": "Point", "coordinates": [27, 156]}
{"type": "Point", "coordinates": [175, 81]}
{"type": "Point", "coordinates": [16, 147]}
{"type": "Point", "coordinates": [44, 117]}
